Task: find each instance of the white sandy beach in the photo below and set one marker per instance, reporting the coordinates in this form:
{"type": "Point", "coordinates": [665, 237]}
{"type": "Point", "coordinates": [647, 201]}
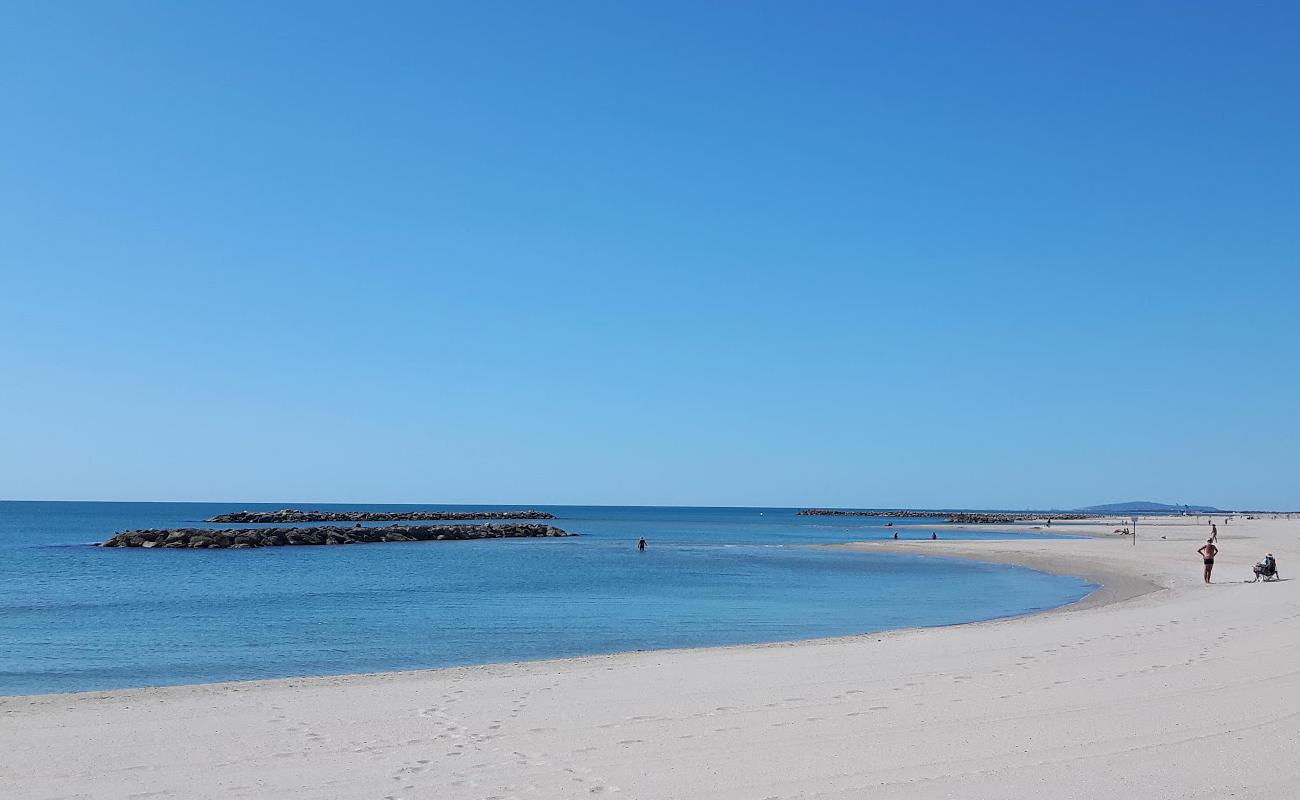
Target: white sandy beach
{"type": "Point", "coordinates": [1156, 687]}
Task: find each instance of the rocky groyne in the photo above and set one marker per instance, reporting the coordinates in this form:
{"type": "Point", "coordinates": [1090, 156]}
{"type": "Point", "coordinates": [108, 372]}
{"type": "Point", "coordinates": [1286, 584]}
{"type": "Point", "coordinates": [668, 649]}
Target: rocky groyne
{"type": "Point", "coordinates": [951, 517]}
{"type": "Point", "coordinates": [997, 518]}
{"type": "Point", "coordinates": [841, 512]}
{"type": "Point", "coordinates": [240, 538]}
{"type": "Point", "coordinates": [297, 515]}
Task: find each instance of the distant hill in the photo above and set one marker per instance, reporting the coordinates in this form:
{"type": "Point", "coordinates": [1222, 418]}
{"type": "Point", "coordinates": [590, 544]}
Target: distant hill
{"type": "Point", "coordinates": [1147, 507]}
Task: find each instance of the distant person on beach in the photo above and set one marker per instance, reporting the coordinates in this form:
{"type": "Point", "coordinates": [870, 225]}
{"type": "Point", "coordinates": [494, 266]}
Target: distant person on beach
{"type": "Point", "coordinates": [933, 536]}
{"type": "Point", "coordinates": [895, 534]}
{"type": "Point", "coordinates": [1208, 551]}
{"type": "Point", "coordinates": [1214, 532]}
{"type": "Point", "coordinates": [641, 544]}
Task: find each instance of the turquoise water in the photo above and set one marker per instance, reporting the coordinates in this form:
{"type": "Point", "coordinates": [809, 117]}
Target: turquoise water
{"type": "Point", "coordinates": [75, 617]}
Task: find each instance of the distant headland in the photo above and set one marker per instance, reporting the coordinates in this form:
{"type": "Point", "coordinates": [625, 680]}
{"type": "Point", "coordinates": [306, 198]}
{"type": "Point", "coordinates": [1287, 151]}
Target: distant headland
{"type": "Point", "coordinates": [297, 515]}
{"type": "Point", "coordinates": [1148, 507]}
{"type": "Point", "coordinates": [243, 538]}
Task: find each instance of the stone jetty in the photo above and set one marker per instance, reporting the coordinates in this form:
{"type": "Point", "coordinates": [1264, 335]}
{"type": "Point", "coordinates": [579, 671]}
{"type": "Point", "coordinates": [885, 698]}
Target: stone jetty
{"type": "Point", "coordinates": [240, 538]}
{"type": "Point", "coordinates": [951, 517]}
{"type": "Point", "coordinates": [985, 518]}
{"type": "Point", "coordinates": [297, 515]}
{"type": "Point", "coordinates": [842, 512]}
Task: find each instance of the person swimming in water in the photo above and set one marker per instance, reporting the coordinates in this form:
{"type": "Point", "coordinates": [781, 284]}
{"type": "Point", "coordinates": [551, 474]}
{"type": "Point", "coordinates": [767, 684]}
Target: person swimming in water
{"type": "Point", "coordinates": [641, 544]}
{"type": "Point", "coordinates": [1208, 551]}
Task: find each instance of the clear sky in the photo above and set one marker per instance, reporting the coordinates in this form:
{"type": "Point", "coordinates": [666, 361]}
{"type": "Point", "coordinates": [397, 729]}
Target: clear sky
{"type": "Point", "coordinates": [880, 253]}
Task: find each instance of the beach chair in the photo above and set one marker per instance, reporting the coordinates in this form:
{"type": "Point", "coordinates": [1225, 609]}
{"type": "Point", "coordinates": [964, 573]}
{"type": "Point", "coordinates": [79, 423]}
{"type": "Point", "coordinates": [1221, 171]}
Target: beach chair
{"type": "Point", "coordinates": [1266, 571]}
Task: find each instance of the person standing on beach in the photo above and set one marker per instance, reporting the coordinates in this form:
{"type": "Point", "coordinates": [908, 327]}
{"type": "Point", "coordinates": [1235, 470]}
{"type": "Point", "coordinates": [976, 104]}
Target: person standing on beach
{"type": "Point", "coordinates": [1208, 551]}
{"type": "Point", "coordinates": [1214, 533]}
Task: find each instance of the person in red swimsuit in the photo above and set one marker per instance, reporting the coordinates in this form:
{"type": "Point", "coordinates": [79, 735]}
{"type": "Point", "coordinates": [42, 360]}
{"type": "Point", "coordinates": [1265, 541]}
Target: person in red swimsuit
{"type": "Point", "coordinates": [1208, 551]}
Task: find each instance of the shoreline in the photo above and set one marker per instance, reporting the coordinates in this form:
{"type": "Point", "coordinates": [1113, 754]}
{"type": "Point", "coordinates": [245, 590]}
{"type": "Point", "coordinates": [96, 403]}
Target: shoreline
{"type": "Point", "coordinates": [1083, 699]}
{"type": "Point", "coordinates": [1112, 587]}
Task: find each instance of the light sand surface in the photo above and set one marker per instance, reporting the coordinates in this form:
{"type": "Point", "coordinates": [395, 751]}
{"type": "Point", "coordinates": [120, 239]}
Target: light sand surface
{"type": "Point", "coordinates": [1159, 688]}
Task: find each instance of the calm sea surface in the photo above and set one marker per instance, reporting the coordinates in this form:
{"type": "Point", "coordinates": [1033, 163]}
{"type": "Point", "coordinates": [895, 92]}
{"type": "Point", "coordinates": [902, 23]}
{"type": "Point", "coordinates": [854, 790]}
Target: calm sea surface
{"type": "Point", "coordinates": [74, 617]}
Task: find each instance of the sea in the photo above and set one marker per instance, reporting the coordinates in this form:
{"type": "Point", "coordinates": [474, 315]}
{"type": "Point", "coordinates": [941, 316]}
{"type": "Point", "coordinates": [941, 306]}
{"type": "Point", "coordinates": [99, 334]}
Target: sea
{"type": "Point", "coordinates": [74, 617]}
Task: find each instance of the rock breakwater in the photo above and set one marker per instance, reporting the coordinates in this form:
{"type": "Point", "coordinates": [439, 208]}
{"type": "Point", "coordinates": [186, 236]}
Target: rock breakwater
{"type": "Point", "coordinates": [842, 512]}
{"type": "Point", "coordinates": [297, 515]}
{"type": "Point", "coordinates": [951, 517]}
{"type": "Point", "coordinates": [972, 518]}
{"type": "Point", "coordinates": [241, 538]}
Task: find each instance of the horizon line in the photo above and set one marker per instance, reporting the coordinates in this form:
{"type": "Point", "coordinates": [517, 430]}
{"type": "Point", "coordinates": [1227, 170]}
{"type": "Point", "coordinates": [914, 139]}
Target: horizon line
{"type": "Point", "coordinates": [1081, 509]}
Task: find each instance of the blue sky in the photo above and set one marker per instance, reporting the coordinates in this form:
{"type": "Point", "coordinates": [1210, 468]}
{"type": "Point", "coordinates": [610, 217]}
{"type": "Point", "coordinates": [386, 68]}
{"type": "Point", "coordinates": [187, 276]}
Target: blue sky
{"type": "Point", "coordinates": [880, 254]}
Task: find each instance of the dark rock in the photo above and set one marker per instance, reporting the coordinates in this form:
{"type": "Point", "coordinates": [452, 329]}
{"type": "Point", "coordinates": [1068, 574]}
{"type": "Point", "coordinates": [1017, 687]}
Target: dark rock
{"type": "Point", "coordinates": [246, 538]}
{"type": "Point", "coordinates": [954, 517]}
{"type": "Point", "coordinates": [297, 515]}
